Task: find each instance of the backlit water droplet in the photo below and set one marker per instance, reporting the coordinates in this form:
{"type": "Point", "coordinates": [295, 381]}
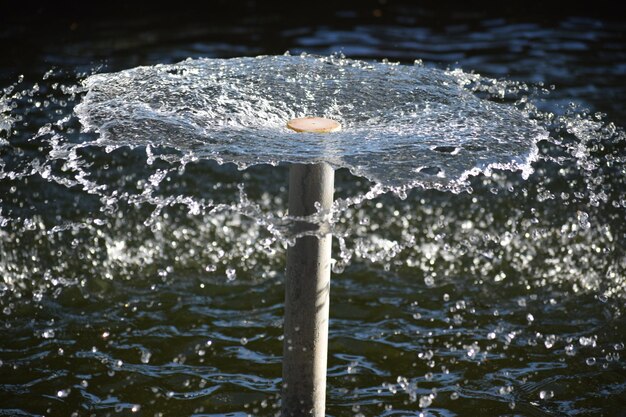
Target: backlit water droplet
{"type": "Point", "coordinates": [145, 356]}
{"type": "Point", "coordinates": [48, 334]}
{"type": "Point", "coordinates": [231, 274]}
{"type": "Point", "coordinates": [63, 393]}
{"type": "Point", "coordinates": [583, 219]}
{"type": "Point", "coordinates": [426, 400]}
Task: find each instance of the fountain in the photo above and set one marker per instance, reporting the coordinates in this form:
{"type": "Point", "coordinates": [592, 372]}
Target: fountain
{"type": "Point", "coordinates": [149, 136]}
{"type": "Point", "coordinates": [221, 106]}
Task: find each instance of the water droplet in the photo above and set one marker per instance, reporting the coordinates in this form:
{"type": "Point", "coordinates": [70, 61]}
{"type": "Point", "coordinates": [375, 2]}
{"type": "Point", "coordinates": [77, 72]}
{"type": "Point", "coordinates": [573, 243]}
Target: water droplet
{"type": "Point", "coordinates": [546, 395]}
{"type": "Point", "coordinates": [549, 341]}
{"type": "Point", "coordinates": [426, 401]}
{"type": "Point", "coordinates": [243, 341]}
{"type": "Point", "coordinates": [231, 274]}
{"type": "Point", "coordinates": [587, 341]}
{"type": "Point", "coordinates": [583, 219]}
{"type": "Point", "coordinates": [145, 356]}
{"type": "Point", "coordinates": [590, 361]}
{"type": "Point", "coordinates": [47, 334]}
{"type": "Point", "coordinates": [63, 393]}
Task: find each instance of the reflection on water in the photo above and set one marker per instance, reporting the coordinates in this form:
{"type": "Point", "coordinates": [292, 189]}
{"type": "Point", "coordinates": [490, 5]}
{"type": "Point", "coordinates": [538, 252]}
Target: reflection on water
{"type": "Point", "coordinates": [136, 284]}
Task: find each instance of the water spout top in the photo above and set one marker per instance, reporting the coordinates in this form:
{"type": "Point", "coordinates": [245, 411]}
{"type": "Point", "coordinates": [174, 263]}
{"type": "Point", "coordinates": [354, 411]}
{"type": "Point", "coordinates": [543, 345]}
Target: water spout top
{"type": "Point", "coordinates": [314, 125]}
{"type": "Point", "coordinates": [403, 125]}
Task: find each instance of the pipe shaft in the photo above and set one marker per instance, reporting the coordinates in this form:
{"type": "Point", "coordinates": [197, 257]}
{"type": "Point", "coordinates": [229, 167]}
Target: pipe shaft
{"type": "Point", "coordinates": [307, 289]}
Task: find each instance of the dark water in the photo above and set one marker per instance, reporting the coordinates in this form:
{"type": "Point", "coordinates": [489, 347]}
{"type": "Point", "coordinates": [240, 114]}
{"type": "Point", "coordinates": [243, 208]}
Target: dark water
{"type": "Point", "coordinates": [124, 294]}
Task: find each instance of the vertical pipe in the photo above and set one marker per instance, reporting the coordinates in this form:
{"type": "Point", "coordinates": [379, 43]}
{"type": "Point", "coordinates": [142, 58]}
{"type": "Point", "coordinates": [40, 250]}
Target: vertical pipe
{"type": "Point", "coordinates": [307, 289]}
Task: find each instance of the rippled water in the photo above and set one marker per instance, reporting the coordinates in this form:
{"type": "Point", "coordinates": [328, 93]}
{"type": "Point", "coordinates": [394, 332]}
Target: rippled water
{"type": "Point", "coordinates": [134, 283]}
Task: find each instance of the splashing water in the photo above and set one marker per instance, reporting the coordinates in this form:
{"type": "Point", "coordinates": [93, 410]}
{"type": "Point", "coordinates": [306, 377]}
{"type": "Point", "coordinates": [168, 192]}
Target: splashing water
{"type": "Point", "coordinates": [403, 126]}
{"type": "Point", "coordinates": [127, 253]}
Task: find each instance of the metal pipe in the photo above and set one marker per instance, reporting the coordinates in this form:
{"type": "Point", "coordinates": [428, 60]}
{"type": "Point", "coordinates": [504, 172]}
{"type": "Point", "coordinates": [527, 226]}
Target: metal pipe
{"type": "Point", "coordinates": [307, 289]}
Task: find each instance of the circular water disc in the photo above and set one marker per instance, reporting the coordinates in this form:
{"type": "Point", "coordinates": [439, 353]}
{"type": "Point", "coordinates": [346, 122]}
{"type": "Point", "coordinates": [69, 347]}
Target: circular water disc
{"type": "Point", "coordinates": [314, 125]}
{"type": "Point", "coordinates": [397, 125]}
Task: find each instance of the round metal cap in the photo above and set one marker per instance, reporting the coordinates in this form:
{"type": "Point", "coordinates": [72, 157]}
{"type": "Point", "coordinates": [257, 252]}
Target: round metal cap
{"type": "Point", "coordinates": [314, 125]}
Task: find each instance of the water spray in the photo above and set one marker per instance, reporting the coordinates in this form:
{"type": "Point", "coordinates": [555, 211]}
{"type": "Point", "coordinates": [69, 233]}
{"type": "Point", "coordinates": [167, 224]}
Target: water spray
{"type": "Point", "coordinates": [410, 126]}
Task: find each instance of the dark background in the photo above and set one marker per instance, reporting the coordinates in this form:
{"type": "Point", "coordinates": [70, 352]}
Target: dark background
{"type": "Point", "coordinates": [30, 29]}
{"type": "Point", "coordinates": [580, 47]}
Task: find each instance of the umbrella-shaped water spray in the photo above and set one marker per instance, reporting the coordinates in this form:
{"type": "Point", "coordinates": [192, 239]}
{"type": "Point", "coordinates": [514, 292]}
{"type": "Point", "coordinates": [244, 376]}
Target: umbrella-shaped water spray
{"type": "Point", "coordinates": [398, 126]}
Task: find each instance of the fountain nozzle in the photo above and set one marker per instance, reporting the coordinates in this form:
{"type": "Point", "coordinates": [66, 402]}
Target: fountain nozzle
{"type": "Point", "coordinates": [314, 125]}
{"type": "Point", "coordinates": [307, 285]}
